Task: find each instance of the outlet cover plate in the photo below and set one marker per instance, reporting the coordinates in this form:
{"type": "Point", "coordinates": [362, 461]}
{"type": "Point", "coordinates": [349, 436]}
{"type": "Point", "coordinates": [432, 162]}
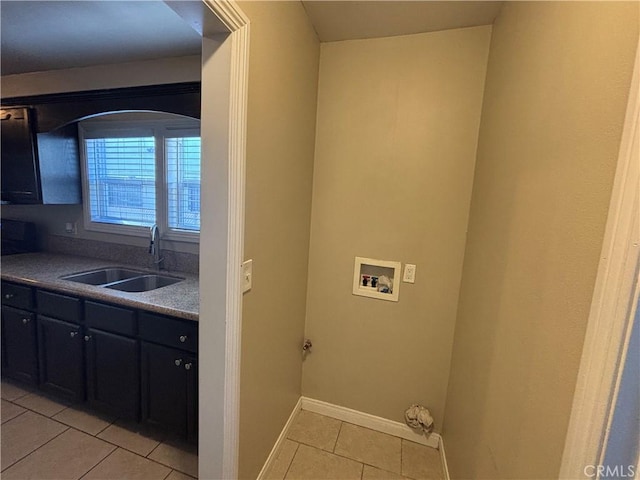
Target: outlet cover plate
{"type": "Point", "coordinates": [409, 273]}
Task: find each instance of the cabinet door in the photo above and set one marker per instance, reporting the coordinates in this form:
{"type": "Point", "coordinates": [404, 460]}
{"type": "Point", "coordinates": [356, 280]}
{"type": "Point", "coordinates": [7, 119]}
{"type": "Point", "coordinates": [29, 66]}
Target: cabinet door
{"type": "Point", "coordinates": [61, 366]}
{"type": "Point", "coordinates": [191, 368]}
{"type": "Point", "coordinates": [19, 348]}
{"type": "Point", "coordinates": [113, 373]}
{"type": "Point", "coordinates": [20, 174]}
{"type": "Point", "coordinates": [164, 387]}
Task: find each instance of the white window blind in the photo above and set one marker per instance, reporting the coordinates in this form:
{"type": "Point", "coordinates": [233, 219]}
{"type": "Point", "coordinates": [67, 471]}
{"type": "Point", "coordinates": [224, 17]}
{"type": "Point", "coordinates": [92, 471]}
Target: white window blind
{"type": "Point", "coordinates": [140, 173]}
{"type": "Point", "coordinates": [183, 182]}
{"type": "Point", "coordinates": [121, 174]}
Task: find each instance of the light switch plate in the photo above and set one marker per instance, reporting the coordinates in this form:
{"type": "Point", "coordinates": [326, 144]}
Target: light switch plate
{"type": "Point", "coordinates": [409, 273]}
{"type": "Point", "coordinates": [247, 275]}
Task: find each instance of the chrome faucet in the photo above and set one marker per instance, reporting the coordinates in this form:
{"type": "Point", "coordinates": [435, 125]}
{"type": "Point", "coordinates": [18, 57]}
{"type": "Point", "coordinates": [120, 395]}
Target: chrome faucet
{"type": "Point", "coordinates": [154, 245]}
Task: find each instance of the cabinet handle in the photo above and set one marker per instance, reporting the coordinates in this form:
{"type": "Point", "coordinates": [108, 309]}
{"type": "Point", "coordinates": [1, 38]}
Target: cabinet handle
{"type": "Point", "coordinates": [4, 115]}
{"type": "Point", "coordinates": [183, 338]}
{"type": "Point", "coordinates": [26, 320]}
{"type": "Point", "coordinates": [73, 334]}
{"type": "Point", "coordinates": [178, 362]}
{"type": "Point", "coordinates": [187, 366]}
{"type": "Point", "coordinates": [9, 296]}
{"type": "Point", "coordinates": [87, 338]}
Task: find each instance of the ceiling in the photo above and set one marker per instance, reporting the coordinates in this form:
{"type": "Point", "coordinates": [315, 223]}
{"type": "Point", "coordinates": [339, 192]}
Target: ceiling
{"type": "Point", "coordinates": [49, 35]}
{"type": "Point", "coordinates": [349, 20]}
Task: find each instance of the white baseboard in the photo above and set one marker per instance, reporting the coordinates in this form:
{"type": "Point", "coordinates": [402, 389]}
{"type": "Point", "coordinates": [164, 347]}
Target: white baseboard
{"type": "Point", "coordinates": [283, 435]}
{"type": "Point", "coordinates": [366, 420]}
{"type": "Point", "coordinates": [443, 458]}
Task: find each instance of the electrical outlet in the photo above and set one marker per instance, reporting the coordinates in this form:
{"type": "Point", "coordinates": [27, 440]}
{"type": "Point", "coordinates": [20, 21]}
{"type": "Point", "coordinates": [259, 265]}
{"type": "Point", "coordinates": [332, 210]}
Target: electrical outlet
{"type": "Point", "coordinates": [409, 273]}
{"type": "Point", "coordinates": [71, 227]}
{"type": "Point", "coordinates": [247, 275]}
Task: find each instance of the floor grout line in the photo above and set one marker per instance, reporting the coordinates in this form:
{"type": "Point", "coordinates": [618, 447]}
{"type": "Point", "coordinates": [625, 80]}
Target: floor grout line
{"type": "Point", "coordinates": [335, 444]}
{"type": "Point", "coordinates": [102, 460]}
{"type": "Point", "coordinates": [38, 448]}
{"type": "Point", "coordinates": [20, 414]}
{"type": "Point", "coordinates": [292, 458]}
{"type": "Point", "coordinates": [71, 427]}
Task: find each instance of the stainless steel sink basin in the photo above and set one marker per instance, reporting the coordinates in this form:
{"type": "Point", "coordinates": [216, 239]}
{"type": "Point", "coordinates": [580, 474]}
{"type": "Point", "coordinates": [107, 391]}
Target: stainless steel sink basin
{"type": "Point", "coordinates": [103, 276]}
{"type": "Point", "coordinates": [144, 283]}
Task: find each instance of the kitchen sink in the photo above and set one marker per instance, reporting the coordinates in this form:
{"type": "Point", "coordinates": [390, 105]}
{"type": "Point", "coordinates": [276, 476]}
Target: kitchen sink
{"type": "Point", "coordinates": [103, 276]}
{"type": "Point", "coordinates": [144, 283]}
{"type": "Point", "coordinates": [123, 279]}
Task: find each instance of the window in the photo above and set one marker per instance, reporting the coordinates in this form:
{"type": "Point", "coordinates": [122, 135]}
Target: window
{"type": "Point", "coordinates": [140, 173]}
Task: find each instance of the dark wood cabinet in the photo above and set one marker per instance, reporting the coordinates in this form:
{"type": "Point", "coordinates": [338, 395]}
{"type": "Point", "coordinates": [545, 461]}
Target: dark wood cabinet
{"type": "Point", "coordinates": [18, 296]}
{"type": "Point", "coordinates": [113, 373]}
{"type": "Point", "coordinates": [19, 354]}
{"type": "Point", "coordinates": [38, 168]}
{"type": "Point", "coordinates": [60, 351]}
{"type": "Point", "coordinates": [20, 174]}
{"type": "Point", "coordinates": [40, 150]}
{"type": "Point", "coordinates": [169, 389]}
{"type": "Point", "coordinates": [132, 364]}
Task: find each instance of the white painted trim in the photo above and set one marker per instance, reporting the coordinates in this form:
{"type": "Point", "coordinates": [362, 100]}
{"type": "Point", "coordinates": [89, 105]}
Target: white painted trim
{"type": "Point", "coordinates": [283, 435]}
{"type": "Point", "coordinates": [443, 459]}
{"type": "Point", "coordinates": [611, 305]}
{"type": "Point", "coordinates": [236, 21]}
{"type": "Point", "coordinates": [370, 421]}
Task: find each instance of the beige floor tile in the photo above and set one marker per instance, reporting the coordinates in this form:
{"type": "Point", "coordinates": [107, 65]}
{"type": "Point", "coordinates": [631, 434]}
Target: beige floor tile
{"type": "Point", "coordinates": [183, 458]}
{"type": "Point", "coordinates": [373, 473]}
{"type": "Point", "coordinates": [41, 404]}
{"type": "Point", "coordinates": [124, 465]}
{"type": "Point", "coordinates": [421, 462]}
{"type": "Point", "coordinates": [313, 464]}
{"type": "Point", "coordinates": [10, 391]}
{"type": "Point", "coordinates": [315, 430]}
{"type": "Point", "coordinates": [68, 456]}
{"type": "Point", "coordinates": [125, 435]}
{"type": "Point", "coordinates": [10, 410]}
{"type": "Point", "coordinates": [370, 447]}
{"type": "Point", "coordinates": [90, 423]}
{"type": "Point", "coordinates": [24, 434]}
{"type": "Point", "coordinates": [281, 464]}
{"type": "Point", "coordinates": [176, 475]}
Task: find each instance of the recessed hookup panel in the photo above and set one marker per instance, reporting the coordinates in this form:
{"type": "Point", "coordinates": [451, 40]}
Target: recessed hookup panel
{"type": "Point", "coordinates": [376, 279]}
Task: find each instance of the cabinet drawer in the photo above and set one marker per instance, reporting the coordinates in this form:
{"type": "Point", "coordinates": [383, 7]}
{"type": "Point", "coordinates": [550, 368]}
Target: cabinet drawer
{"type": "Point", "coordinates": [17, 296]}
{"type": "Point", "coordinates": [59, 306]}
{"type": "Point", "coordinates": [110, 318]}
{"type": "Point", "coordinates": [168, 331]}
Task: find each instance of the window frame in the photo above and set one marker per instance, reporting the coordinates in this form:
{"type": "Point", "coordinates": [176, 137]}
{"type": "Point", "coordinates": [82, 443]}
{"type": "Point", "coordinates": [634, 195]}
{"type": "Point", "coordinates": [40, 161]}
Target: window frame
{"type": "Point", "coordinates": [160, 130]}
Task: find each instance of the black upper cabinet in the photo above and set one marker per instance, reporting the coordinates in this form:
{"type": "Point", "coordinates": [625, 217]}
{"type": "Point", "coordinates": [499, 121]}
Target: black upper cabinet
{"type": "Point", "coordinates": [38, 168]}
{"type": "Point", "coordinates": [19, 161]}
{"type": "Point", "coordinates": [40, 151]}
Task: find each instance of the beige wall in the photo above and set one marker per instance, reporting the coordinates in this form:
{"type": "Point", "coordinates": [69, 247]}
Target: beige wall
{"type": "Point", "coordinates": [283, 79]}
{"type": "Point", "coordinates": [398, 122]}
{"type": "Point", "coordinates": [555, 98]}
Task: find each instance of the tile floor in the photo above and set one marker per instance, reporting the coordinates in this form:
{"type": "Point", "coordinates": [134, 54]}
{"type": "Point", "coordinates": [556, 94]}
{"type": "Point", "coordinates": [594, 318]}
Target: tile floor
{"type": "Point", "coordinates": [45, 439]}
{"type": "Point", "coordinates": [319, 447]}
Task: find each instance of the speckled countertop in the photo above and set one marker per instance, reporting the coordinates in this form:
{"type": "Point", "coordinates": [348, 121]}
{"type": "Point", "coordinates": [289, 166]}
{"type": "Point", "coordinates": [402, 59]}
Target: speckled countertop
{"type": "Point", "coordinates": [45, 269]}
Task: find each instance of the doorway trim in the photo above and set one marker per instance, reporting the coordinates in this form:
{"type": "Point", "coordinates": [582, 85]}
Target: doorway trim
{"type": "Point", "coordinates": [612, 307]}
{"type": "Point", "coordinates": [237, 23]}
